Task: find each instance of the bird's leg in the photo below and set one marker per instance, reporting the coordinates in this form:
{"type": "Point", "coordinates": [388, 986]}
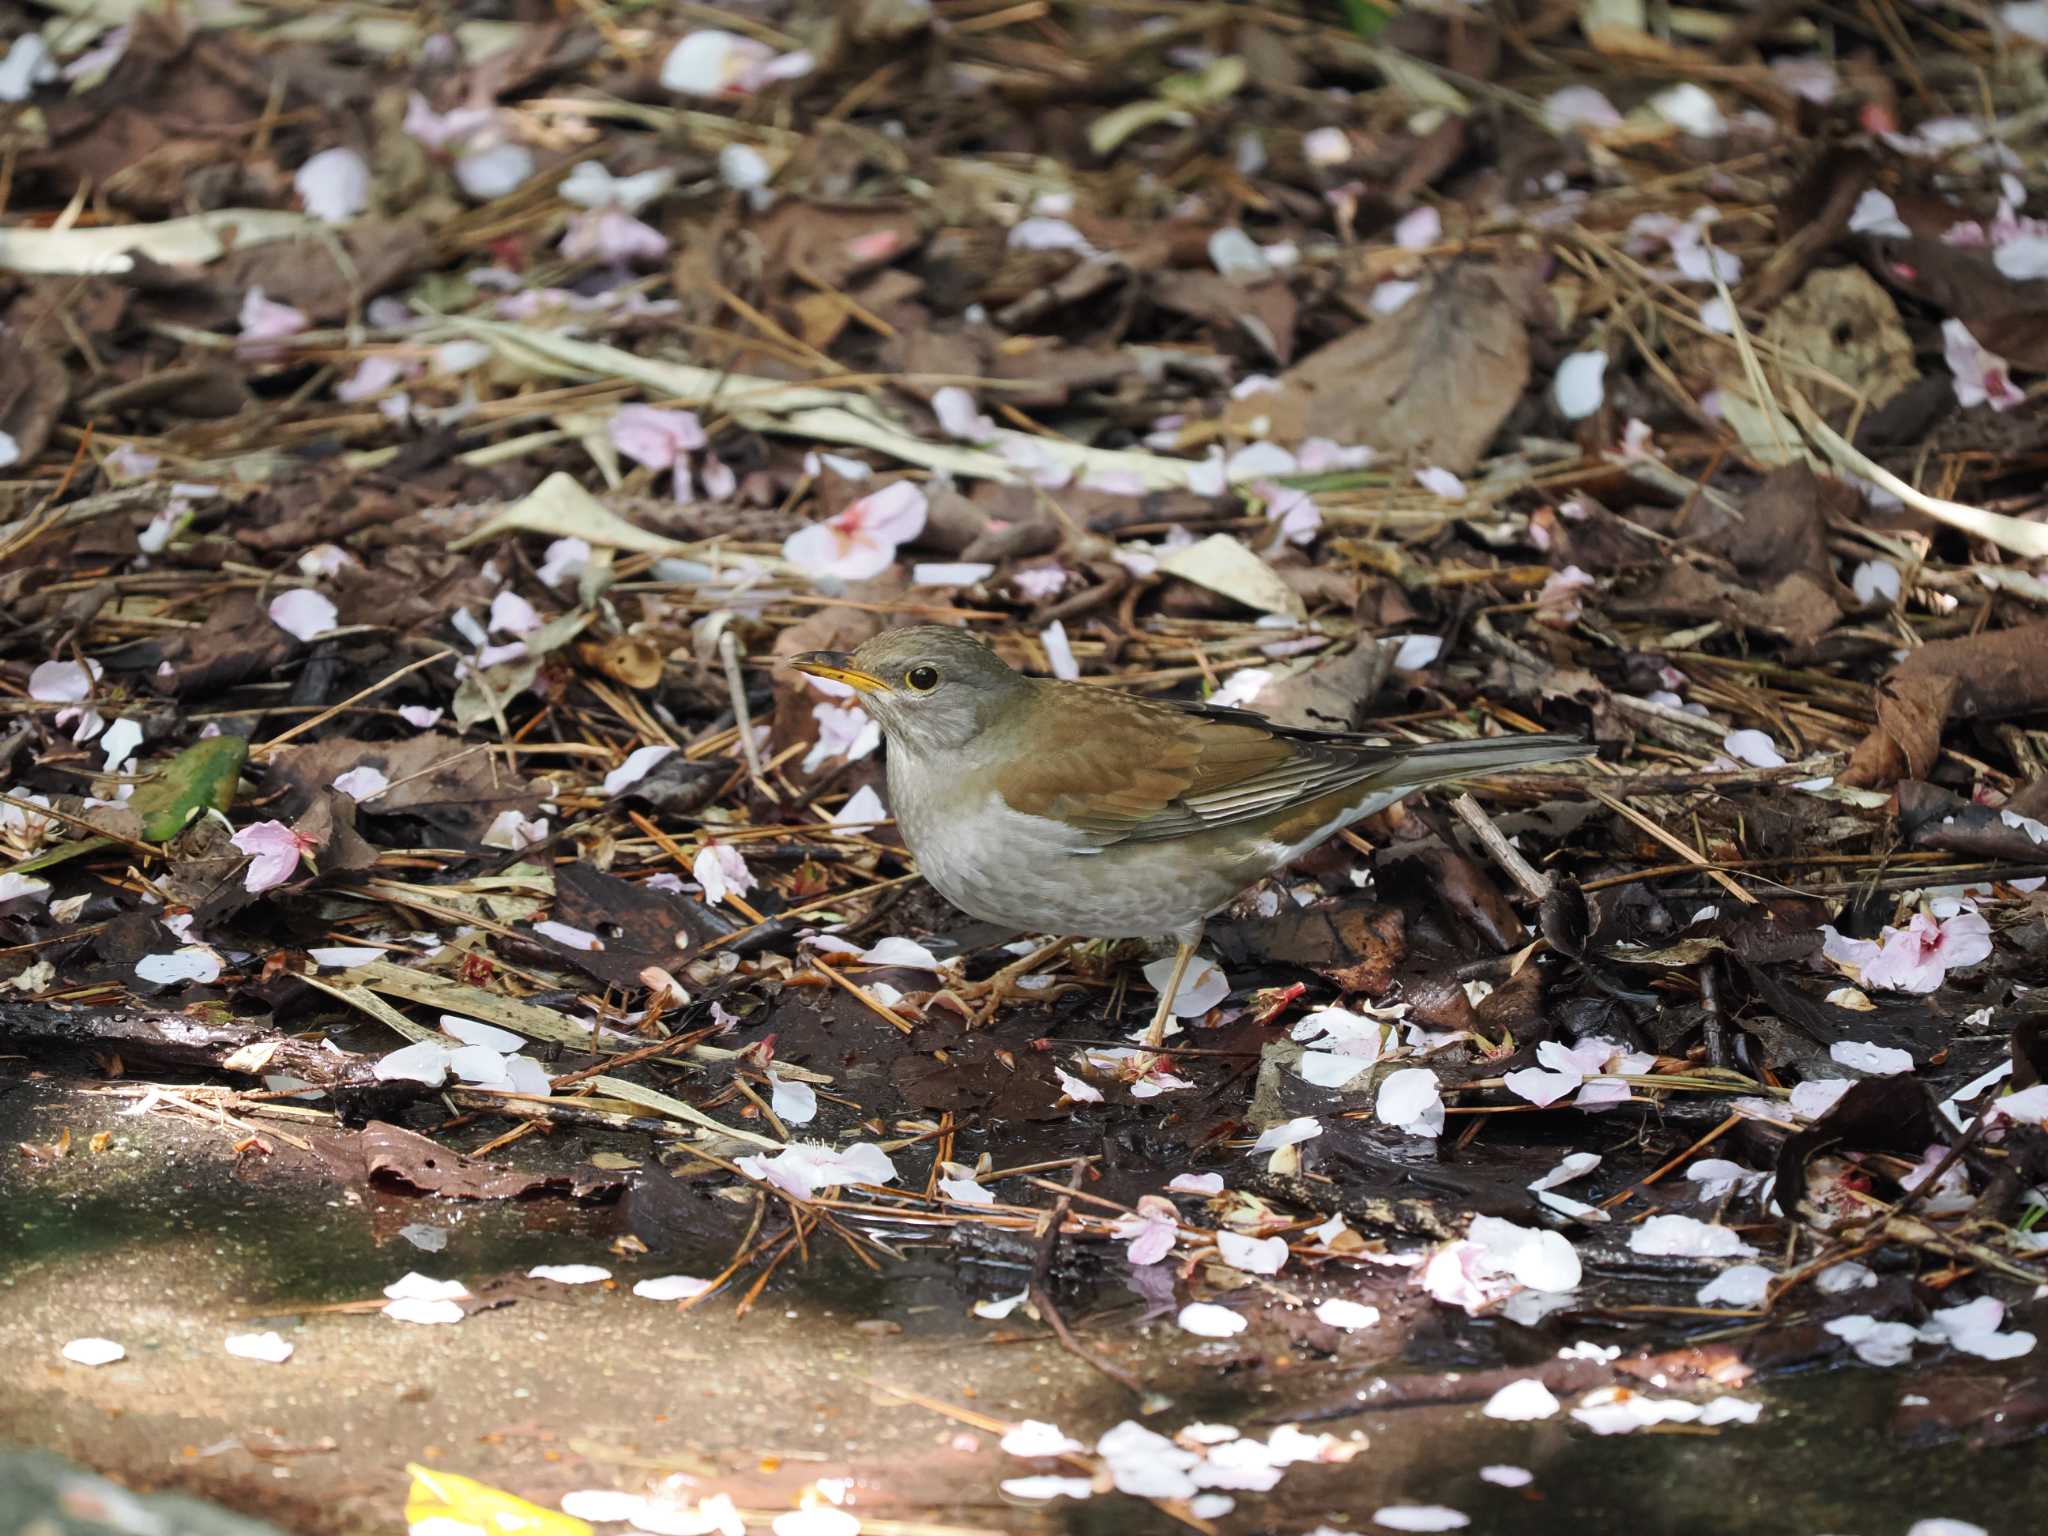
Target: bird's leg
{"type": "Point", "coordinates": [983, 998]}
{"type": "Point", "coordinates": [1155, 1037]}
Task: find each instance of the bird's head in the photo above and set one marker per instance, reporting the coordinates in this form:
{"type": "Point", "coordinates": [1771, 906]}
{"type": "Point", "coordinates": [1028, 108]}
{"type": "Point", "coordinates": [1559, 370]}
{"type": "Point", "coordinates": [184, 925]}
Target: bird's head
{"type": "Point", "coordinates": [931, 688]}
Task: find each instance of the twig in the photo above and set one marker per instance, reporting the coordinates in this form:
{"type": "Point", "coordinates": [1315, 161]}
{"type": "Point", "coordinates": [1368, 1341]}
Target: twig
{"type": "Point", "coordinates": [2008, 533]}
{"type": "Point", "coordinates": [1534, 884]}
{"type": "Point", "coordinates": [736, 685]}
{"type": "Point", "coordinates": [348, 703]}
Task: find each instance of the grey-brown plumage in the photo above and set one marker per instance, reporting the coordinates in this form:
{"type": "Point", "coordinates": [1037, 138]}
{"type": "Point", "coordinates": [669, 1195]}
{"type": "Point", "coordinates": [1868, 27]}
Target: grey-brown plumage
{"type": "Point", "coordinates": [1057, 807]}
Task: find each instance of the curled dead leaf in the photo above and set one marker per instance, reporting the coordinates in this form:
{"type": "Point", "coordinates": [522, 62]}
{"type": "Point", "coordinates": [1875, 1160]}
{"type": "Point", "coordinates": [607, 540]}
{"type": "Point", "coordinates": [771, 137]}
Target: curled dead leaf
{"type": "Point", "coordinates": [630, 659]}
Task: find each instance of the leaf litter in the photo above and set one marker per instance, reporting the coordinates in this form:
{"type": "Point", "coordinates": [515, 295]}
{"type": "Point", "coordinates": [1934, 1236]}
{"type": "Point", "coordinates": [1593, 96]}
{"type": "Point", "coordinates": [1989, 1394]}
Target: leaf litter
{"type": "Point", "coordinates": [402, 526]}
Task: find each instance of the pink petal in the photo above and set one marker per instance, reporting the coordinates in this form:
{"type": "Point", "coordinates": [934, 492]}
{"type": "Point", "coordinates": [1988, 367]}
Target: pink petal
{"type": "Point", "coordinates": [274, 850]}
{"type": "Point", "coordinates": [655, 438]}
{"type": "Point", "coordinates": [303, 614]}
{"type": "Point", "coordinates": [262, 320]}
{"type": "Point", "coordinates": [334, 185]}
{"type": "Point", "coordinates": [960, 417]}
{"type": "Point", "coordinates": [63, 682]}
{"type": "Point", "coordinates": [895, 513]}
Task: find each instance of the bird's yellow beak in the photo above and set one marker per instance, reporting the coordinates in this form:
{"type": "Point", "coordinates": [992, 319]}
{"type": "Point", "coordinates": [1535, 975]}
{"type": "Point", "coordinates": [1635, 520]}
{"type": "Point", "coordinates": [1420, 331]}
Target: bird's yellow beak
{"type": "Point", "coordinates": [838, 667]}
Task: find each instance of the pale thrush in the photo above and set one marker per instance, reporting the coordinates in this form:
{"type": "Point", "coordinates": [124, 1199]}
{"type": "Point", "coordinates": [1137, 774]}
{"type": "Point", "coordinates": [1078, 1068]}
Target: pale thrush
{"type": "Point", "coordinates": [1063, 808]}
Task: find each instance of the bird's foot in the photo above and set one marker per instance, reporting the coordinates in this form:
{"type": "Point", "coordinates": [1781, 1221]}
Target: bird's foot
{"type": "Point", "coordinates": [980, 1001]}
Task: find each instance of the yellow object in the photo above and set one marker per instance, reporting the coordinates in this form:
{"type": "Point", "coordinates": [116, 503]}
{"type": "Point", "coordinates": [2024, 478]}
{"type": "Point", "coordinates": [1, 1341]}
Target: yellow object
{"type": "Point", "coordinates": [446, 1504]}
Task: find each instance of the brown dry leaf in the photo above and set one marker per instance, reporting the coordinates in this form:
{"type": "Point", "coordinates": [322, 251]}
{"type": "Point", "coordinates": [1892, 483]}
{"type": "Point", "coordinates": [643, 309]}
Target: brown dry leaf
{"type": "Point", "coordinates": [1263, 311]}
{"type": "Point", "coordinates": [1782, 529]}
{"type": "Point", "coordinates": [1357, 945]}
{"type": "Point", "coordinates": [640, 926]}
{"type": "Point", "coordinates": [1798, 608]}
{"type": "Point", "coordinates": [1812, 215]}
{"type": "Point", "coordinates": [633, 660]}
{"type": "Point", "coordinates": [237, 642]}
{"type": "Point", "coordinates": [1332, 693]}
{"type": "Point", "coordinates": [834, 244]}
{"type": "Point", "coordinates": [1931, 817]}
{"type": "Point", "coordinates": [33, 389]}
{"type": "Point", "coordinates": [1432, 382]}
{"type": "Point", "coordinates": [1843, 323]}
{"type": "Point", "coordinates": [329, 825]}
{"type": "Point", "coordinates": [1991, 676]}
{"type": "Point", "coordinates": [157, 123]}
{"type": "Point", "coordinates": [450, 783]}
{"type": "Point", "coordinates": [2008, 317]}
{"type": "Point", "coordinates": [389, 1155]}
{"type": "Point", "coordinates": [310, 275]}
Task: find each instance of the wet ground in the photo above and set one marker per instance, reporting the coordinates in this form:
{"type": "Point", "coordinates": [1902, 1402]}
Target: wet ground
{"type": "Point", "coordinates": [168, 1240]}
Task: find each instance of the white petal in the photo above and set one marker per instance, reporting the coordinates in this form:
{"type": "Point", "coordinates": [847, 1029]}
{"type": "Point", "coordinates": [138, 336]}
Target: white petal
{"type": "Point", "coordinates": [334, 185]}
{"type": "Point", "coordinates": [671, 1287]}
{"type": "Point", "coordinates": [270, 1348]}
{"type": "Point", "coordinates": [1580, 386]}
{"type": "Point", "coordinates": [569, 1274]}
{"type": "Point", "coordinates": [303, 614]}
{"type": "Point", "coordinates": [1210, 1321]}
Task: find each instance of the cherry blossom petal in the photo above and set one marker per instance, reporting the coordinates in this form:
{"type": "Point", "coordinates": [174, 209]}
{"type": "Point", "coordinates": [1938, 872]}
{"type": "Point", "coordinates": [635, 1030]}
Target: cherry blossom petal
{"type": "Point", "coordinates": [1079, 1090]}
{"type": "Point", "coordinates": [1875, 581]}
{"type": "Point", "coordinates": [1522, 1402]}
{"type": "Point", "coordinates": [1981, 376]}
{"type": "Point", "coordinates": [261, 320]}
{"type": "Point", "coordinates": [362, 783]}
{"type": "Point", "coordinates": [1440, 483]}
{"type": "Point", "coordinates": [1687, 1237]}
{"type": "Point", "coordinates": [671, 1287]}
{"type": "Point", "coordinates": [269, 1348]}
{"type": "Point", "coordinates": [1416, 652]}
{"type": "Point", "coordinates": [640, 762]}
{"type": "Point", "coordinates": [512, 614]}
{"type": "Point", "coordinates": [563, 561]}
{"type": "Point", "coordinates": [91, 1351]}
{"type": "Point", "coordinates": [1579, 106]}
{"type": "Point", "coordinates": [590, 185]}
{"type": "Point", "coordinates": [1253, 1255]}
{"type": "Point", "coordinates": [722, 870]}
{"type": "Point", "coordinates": [1059, 656]}
{"type": "Point", "coordinates": [274, 851]}
{"type": "Point", "coordinates": [334, 185]}
{"type": "Point", "coordinates": [1410, 1098]}
{"type": "Point", "coordinates": [1579, 388]}
{"type": "Point", "coordinates": [1739, 1285]}
{"type": "Point", "coordinates": [569, 1274]}
{"type": "Point", "coordinates": [63, 682]}
{"type": "Point", "coordinates": [194, 962]}
{"type": "Point", "coordinates": [303, 614]}
{"type": "Point", "coordinates": [655, 438]}
{"type": "Point", "coordinates": [1864, 1056]}
{"type": "Point", "coordinates": [612, 235]}
{"type": "Point", "coordinates": [492, 171]}
{"type": "Point", "coordinates": [959, 416]}
{"type": "Point", "coordinates": [1202, 987]}
{"type": "Point", "coordinates": [1326, 147]}
{"type": "Point", "coordinates": [1754, 748]}
{"type": "Point", "coordinates": [1338, 1312]}
{"type": "Point", "coordinates": [1288, 1133]}
{"type": "Point", "coordinates": [1209, 1321]}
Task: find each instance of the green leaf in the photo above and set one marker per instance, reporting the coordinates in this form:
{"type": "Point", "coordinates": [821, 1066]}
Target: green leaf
{"type": "Point", "coordinates": [1364, 17]}
{"type": "Point", "coordinates": [198, 779]}
{"type": "Point", "coordinates": [58, 855]}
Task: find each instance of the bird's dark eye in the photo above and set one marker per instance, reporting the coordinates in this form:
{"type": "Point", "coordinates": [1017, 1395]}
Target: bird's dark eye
{"type": "Point", "coordinates": [922, 679]}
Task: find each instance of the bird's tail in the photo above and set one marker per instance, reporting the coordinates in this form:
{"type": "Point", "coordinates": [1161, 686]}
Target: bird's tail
{"type": "Point", "coordinates": [1443, 761]}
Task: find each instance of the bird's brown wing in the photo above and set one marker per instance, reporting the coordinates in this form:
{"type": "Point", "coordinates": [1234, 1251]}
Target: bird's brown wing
{"type": "Point", "coordinates": [1128, 769]}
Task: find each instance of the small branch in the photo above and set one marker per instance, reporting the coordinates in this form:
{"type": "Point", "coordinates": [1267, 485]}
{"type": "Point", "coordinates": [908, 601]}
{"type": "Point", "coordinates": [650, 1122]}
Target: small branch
{"type": "Point", "coordinates": [1533, 884]}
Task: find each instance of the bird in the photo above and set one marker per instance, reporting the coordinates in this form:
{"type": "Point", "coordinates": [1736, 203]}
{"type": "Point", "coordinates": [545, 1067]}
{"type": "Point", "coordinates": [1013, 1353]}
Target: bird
{"type": "Point", "coordinates": [1055, 807]}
